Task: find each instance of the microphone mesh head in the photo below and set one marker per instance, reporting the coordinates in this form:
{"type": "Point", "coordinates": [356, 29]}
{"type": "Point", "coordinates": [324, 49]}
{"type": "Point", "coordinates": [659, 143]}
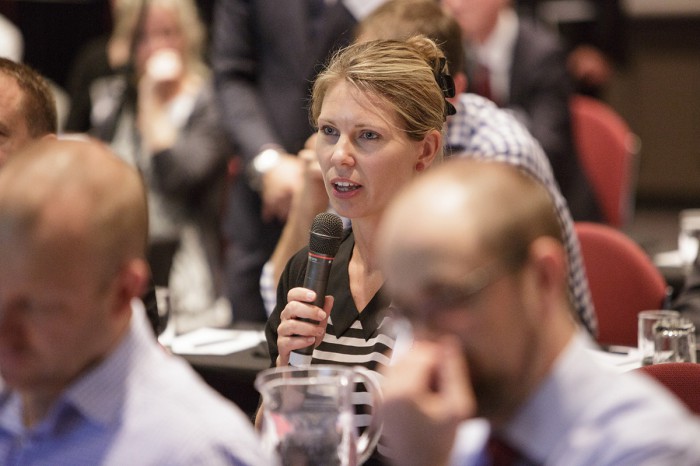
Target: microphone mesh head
{"type": "Point", "coordinates": [326, 234]}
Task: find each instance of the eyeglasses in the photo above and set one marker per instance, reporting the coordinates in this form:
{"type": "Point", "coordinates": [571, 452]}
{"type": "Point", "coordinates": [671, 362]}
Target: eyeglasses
{"type": "Point", "coordinates": [463, 293]}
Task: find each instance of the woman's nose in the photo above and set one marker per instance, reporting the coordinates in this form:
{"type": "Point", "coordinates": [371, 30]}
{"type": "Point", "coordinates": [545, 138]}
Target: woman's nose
{"type": "Point", "coordinates": [343, 152]}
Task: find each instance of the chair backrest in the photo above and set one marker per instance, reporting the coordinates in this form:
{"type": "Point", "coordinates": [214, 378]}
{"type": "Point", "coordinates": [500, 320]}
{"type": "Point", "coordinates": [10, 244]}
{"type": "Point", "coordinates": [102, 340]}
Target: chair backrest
{"type": "Point", "coordinates": [608, 151]}
{"type": "Point", "coordinates": [681, 378]}
{"type": "Point", "coordinates": [623, 281]}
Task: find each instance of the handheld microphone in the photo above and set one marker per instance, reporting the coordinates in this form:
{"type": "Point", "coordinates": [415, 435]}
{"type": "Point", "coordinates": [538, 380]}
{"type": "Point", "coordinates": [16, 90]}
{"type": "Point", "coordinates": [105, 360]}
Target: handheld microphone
{"type": "Point", "coordinates": [324, 241]}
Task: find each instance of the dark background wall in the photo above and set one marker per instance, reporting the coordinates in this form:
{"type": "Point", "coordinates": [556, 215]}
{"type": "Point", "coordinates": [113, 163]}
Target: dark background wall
{"type": "Point", "coordinates": [658, 93]}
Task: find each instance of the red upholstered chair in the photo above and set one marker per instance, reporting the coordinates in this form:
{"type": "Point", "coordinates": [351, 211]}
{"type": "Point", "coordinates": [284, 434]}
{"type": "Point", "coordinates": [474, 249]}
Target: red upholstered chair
{"type": "Point", "coordinates": [681, 378]}
{"type": "Point", "coordinates": [608, 151]}
{"type": "Point", "coordinates": [623, 281]}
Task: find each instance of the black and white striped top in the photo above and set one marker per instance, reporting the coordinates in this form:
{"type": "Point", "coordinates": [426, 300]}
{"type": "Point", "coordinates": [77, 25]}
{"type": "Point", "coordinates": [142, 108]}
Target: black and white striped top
{"type": "Point", "coordinates": [352, 338]}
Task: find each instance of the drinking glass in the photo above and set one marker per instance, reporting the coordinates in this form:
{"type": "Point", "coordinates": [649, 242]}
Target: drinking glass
{"type": "Point", "coordinates": [674, 341]}
{"type": "Point", "coordinates": [645, 335]}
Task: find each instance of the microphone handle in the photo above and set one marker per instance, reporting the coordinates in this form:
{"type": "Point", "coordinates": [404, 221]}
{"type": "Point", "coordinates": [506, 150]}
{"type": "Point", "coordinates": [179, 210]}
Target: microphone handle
{"type": "Point", "coordinates": [318, 268]}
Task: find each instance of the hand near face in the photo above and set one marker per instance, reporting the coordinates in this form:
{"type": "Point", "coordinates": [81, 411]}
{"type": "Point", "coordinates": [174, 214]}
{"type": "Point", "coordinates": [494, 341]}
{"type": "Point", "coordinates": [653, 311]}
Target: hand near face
{"type": "Point", "coordinates": [161, 82]}
{"type": "Point", "coordinates": [590, 66]}
{"type": "Point", "coordinates": [311, 194]}
{"type": "Point", "coordinates": [427, 394]}
{"type": "Point", "coordinates": [278, 187]}
{"type": "Point", "coordinates": [293, 333]}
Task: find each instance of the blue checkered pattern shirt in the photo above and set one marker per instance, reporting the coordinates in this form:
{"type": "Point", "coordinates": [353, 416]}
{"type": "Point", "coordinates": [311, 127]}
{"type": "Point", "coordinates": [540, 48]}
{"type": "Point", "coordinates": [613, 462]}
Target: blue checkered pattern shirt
{"type": "Point", "coordinates": [140, 406]}
{"type": "Point", "coordinates": [483, 131]}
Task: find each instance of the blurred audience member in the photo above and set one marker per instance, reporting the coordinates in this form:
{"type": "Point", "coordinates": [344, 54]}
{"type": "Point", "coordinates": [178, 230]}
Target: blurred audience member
{"type": "Point", "coordinates": [594, 32]}
{"type": "Point", "coordinates": [478, 130]}
{"type": "Point", "coordinates": [27, 108]}
{"type": "Point", "coordinates": [12, 48]}
{"type": "Point", "coordinates": [265, 58]}
{"type": "Point", "coordinates": [494, 339]}
{"type": "Point", "coordinates": [522, 67]}
{"type": "Point", "coordinates": [163, 119]}
{"type": "Point", "coordinates": [102, 56]}
{"type": "Point", "coordinates": [82, 375]}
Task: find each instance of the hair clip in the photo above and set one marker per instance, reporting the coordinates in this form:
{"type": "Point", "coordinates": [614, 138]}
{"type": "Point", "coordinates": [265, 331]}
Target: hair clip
{"type": "Point", "coordinates": [447, 85]}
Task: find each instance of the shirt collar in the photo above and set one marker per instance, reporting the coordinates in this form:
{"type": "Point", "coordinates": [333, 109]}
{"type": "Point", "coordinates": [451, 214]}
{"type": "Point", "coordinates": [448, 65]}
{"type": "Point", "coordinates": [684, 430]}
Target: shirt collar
{"type": "Point", "coordinates": [497, 49]}
{"type": "Point", "coordinates": [573, 371]}
{"type": "Point", "coordinates": [496, 53]}
{"type": "Point", "coordinates": [99, 394]}
{"type": "Point", "coordinates": [371, 316]}
{"type": "Point", "coordinates": [361, 8]}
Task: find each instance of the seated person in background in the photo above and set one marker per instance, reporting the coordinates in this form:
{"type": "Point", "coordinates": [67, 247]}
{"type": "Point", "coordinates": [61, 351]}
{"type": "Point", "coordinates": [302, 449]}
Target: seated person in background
{"type": "Point", "coordinates": [379, 110]}
{"type": "Point", "coordinates": [164, 120]}
{"type": "Point", "coordinates": [486, 296]}
{"type": "Point", "coordinates": [594, 33]}
{"type": "Point", "coordinates": [478, 130]}
{"type": "Point", "coordinates": [27, 108]}
{"type": "Point", "coordinates": [82, 376]}
{"type": "Point", "coordinates": [522, 67]}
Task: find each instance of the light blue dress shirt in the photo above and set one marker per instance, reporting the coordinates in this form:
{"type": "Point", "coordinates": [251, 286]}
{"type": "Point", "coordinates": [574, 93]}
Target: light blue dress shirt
{"type": "Point", "coordinates": [140, 406]}
{"type": "Point", "coordinates": [588, 414]}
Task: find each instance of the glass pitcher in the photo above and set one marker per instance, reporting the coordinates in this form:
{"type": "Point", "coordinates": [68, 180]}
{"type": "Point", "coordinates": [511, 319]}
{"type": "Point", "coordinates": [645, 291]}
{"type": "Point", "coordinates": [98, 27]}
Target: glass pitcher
{"type": "Point", "coordinates": [308, 415]}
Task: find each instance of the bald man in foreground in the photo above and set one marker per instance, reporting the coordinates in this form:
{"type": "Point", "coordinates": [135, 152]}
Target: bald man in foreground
{"type": "Point", "coordinates": [83, 381]}
{"type": "Point", "coordinates": [474, 259]}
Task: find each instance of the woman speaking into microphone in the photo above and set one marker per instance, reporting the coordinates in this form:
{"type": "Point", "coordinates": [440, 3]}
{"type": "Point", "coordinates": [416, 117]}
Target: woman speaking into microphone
{"type": "Point", "coordinates": [379, 108]}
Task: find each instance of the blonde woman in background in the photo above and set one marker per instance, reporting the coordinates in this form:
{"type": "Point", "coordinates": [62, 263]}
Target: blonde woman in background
{"type": "Point", "coordinates": [161, 117]}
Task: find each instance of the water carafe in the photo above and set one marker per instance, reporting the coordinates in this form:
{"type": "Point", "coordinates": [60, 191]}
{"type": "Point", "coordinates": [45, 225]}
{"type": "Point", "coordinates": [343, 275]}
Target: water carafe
{"type": "Point", "coordinates": [308, 415]}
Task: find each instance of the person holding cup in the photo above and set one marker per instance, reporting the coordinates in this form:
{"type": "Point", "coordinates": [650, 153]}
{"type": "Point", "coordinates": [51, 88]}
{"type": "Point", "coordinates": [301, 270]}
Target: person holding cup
{"type": "Point", "coordinates": [160, 115]}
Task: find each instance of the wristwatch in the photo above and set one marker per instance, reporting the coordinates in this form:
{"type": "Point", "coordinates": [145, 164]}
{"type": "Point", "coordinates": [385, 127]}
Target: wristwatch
{"type": "Point", "coordinates": [261, 164]}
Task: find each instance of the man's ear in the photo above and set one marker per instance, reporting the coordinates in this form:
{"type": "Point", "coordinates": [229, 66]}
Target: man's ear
{"type": "Point", "coordinates": [132, 281]}
{"type": "Point", "coordinates": [461, 83]}
{"type": "Point", "coordinates": [548, 258]}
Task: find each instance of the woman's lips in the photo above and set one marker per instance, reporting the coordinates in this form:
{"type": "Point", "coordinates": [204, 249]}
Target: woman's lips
{"type": "Point", "coordinates": [345, 188]}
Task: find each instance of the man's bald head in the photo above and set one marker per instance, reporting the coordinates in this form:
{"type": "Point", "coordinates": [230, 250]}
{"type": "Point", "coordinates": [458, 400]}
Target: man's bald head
{"type": "Point", "coordinates": [472, 251]}
{"type": "Point", "coordinates": [78, 189]}
{"type": "Point", "coordinates": [495, 206]}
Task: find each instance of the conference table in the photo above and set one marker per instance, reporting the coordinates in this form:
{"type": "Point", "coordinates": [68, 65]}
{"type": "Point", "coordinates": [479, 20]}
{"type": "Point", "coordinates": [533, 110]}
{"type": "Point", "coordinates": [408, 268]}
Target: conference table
{"type": "Point", "coordinates": [233, 375]}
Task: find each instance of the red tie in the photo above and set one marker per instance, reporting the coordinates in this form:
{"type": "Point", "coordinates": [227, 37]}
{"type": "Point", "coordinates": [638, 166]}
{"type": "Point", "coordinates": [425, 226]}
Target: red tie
{"type": "Point", "coordinates": [500, 453]}
{"type": "Point", "coordinates": [482, 81]}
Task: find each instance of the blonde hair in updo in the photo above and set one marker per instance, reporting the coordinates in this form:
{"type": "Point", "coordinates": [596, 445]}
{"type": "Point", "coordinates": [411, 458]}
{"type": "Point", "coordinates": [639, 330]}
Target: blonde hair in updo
{"type": "Point", "coordinates": [401, 73]}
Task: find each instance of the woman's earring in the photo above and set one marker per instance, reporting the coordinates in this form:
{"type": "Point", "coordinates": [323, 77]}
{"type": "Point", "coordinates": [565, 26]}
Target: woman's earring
{"type": "Point", "coordinates": [420, 167]}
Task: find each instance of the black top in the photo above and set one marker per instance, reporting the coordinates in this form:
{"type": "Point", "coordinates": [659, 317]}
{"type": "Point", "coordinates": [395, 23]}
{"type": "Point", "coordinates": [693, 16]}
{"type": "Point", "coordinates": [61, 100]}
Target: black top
{"type": "Point", "coordinates": [349, 334]}
{"type": "Point", "coordinates": [352, 338]}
